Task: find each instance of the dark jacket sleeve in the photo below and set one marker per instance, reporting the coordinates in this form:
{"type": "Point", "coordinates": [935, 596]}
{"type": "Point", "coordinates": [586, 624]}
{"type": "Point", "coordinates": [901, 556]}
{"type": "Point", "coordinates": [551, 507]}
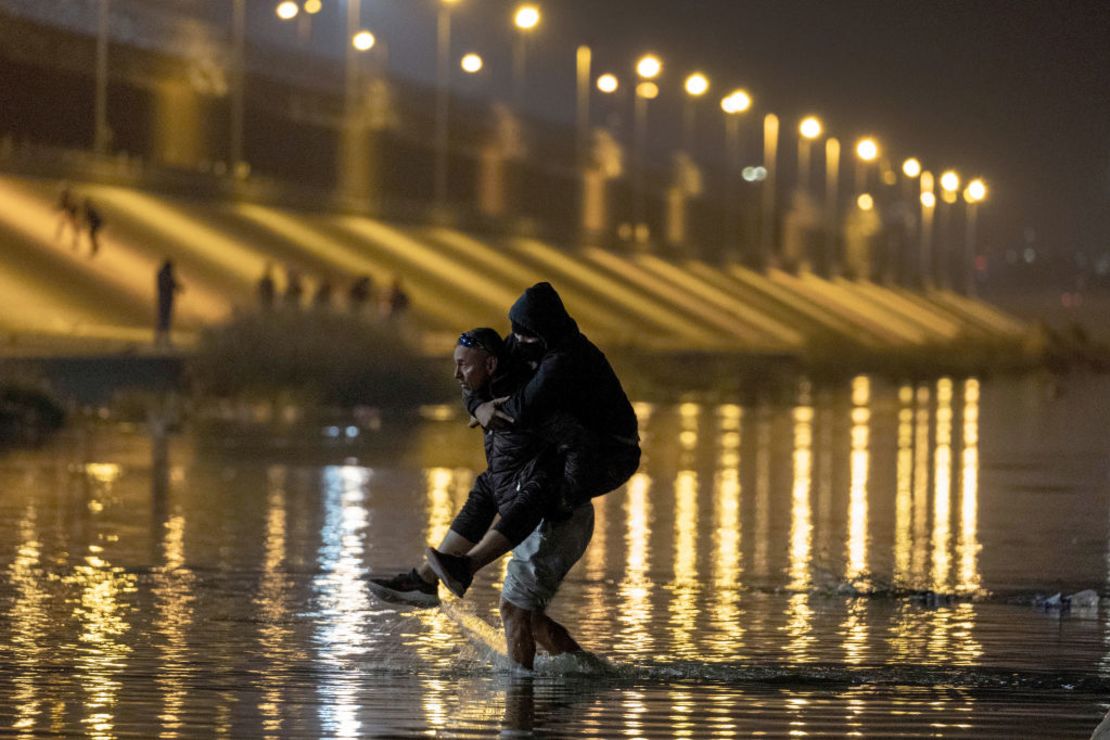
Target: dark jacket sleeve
{"type": "Point", "coordinates": [546, 391]}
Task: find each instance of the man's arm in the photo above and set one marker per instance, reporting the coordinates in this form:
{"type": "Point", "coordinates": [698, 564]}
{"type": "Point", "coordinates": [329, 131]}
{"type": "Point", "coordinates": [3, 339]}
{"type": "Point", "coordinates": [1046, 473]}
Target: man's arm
{"type": "Point", "coordinates": [548, 389]}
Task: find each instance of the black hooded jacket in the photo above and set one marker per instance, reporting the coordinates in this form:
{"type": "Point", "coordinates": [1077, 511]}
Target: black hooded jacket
{"type": "Point", "coordinates": [524, 470]}
{"type": "Point", "coordinates": [572, 375]}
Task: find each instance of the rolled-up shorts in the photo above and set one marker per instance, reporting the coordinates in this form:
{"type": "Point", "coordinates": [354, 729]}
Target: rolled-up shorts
{"type": "Point", "coordinates": [541, 562]}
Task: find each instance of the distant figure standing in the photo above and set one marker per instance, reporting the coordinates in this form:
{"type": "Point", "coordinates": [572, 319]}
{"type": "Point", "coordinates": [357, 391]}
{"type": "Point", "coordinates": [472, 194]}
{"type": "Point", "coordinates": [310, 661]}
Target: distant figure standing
{"type": "Point", "coordinates": [67, 215]}
{"type": "Point", "coordinates": [94, 222]}
{"type": "Point", "coordinates": [360, 293]}
{"type": "Point", "coordinates": [167, 287]}
{"type": "Point", "coordinates": [395, 302]}
{"type": "Point", "coordinates": [294, 287]}
{"type": "Point", "coordinates": [267, 290]}
{"type": "Point", "coordinates": [321, 299]}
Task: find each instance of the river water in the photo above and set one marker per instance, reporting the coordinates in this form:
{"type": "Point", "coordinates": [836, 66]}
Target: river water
{"type": "Point", "coordinates": [860, 558]}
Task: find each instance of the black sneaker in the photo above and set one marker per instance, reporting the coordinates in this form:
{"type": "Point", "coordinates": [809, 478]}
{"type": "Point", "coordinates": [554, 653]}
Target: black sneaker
{"type": "Point", "coordinates": [405, 588]}
{"type": "Point", "coordinates": [453, 570]}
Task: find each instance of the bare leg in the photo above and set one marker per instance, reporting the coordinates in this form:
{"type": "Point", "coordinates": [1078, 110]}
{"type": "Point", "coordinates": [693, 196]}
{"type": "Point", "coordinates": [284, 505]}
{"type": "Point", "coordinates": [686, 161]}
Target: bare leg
{"type": "Point", "coordinates": [552, 636]}
{"type": "Point", "coordinates": [453, 544]}
{"type": "Point", "coordinates": [491, 547]}
{"type": "Point", "coordinates": [519, 641]}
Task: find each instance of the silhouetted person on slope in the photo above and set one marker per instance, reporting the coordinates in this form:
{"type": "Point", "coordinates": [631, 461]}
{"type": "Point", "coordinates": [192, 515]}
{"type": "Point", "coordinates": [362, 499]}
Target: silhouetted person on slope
{"type": "Point", "coordinates": [94, 222]}
{"type": "Point", "coordinates": [294, 287]}
{"type": "Point", "coordinates": [167, 288]}
{"type": "Point", "coordinates": [266, 289]}
{"type": "Point", "coordinates": [395, 302]}
{"type": "Point", "coordinates": [68, 215]}
{"type": "Point", "coordinates": [360, 293]}
{"type": "Point", "coordinates": [321, 299]}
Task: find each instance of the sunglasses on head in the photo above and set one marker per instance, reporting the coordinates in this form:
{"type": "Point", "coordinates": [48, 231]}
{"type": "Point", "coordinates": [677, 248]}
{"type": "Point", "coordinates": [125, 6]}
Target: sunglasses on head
{"type": "Point", "coordinates": [470, 340]}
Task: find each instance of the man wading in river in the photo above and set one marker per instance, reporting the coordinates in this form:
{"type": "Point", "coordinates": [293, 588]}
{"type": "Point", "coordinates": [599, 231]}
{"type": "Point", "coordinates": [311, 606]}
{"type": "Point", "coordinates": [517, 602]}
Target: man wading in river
{"type": "Point", "coordinates": [571, 377]}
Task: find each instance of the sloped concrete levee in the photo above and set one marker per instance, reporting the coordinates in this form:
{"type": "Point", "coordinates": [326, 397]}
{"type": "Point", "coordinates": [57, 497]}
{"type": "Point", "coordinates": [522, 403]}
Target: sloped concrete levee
{"type": "Point", "coordinates": [221, 246]}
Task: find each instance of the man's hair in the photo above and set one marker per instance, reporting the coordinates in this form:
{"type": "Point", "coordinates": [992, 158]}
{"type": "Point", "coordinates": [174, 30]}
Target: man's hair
{"type": "Point", "coordinates": [483, 338]}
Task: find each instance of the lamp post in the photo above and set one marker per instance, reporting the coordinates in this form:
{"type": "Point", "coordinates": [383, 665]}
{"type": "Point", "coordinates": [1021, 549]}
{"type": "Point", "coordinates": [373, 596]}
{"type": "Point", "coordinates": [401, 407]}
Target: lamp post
{"type": "Point", "coordinates": [526, 18]}
{"type": "Point", "coordinates": [832, 205]}
{"type": "Point", "coordinates": [355, 157]}
{"type": "Point", "coordinates": [944, 251]}
{"type": "Point", "coordinates": [101, 133]}
{"type": "Point", "coordinates": [809, 130]}
{"type": "Point", "coordinates": [648, 68]}
{"type": "Point", "coordinates": [867, 151]}
{"type": "Point", "coordinates": [238, 82]}
{"type": "Point", "coordinates": [443, 77]}
{"type": "Point", "coordinates": [928, 210]}
{"type": "Point", "coordinates": [911, 170]}
{"type": "Point", "coordinates": [770, 163]}
{"type": "Point", "coordinates": [583, 61]}
{"type": "Point", "coordinates": [974, 194]}
{"type": "Point", "coordinates": [734, 105]}
{"type": "Point", "coordinates": [696, 85]}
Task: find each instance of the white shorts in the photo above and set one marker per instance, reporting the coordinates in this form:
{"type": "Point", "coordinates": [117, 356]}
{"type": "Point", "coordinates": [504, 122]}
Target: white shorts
{"type": "Point", "coordinates": [541, 562]}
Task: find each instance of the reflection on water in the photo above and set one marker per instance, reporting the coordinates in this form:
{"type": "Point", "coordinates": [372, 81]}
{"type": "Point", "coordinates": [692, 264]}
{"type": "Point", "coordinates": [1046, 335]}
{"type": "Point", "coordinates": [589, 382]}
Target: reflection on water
{"type": "Point", "coordinates": [29, 617]}
{"type": "Point", "coordinates": [343, 599]}
{"type": "Point", "coordinates": [100, 608]}
{"type": "Point", "coordinates": [942, 481]}
{"type": "Point", "coordinates": [728, 640]}
{"type": "Point", "coordinates": [968, 546]}
{"type": "Point", "coordinates": [860, 465]}
{"type": "Point", "coordinates": [818, 564]}
{"type": "Point", "coordinates": [636, 633]}
{"type": "Point", "coordinates": [801, 537]}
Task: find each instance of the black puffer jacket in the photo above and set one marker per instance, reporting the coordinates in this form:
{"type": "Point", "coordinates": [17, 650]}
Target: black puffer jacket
{"type": "Point", "coordinates": [524, 469]}
{"type": "Point", "coordinates": [573, 375]}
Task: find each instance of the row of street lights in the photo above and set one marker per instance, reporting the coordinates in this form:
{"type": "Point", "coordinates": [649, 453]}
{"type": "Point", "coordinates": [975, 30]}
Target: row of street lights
{"type": "Point", "coordinates": [649, 68]}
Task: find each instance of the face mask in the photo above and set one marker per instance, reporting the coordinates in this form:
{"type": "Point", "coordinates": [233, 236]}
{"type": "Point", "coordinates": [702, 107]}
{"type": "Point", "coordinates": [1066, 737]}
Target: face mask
{"type": "Point", "coordinates": [528, 352]}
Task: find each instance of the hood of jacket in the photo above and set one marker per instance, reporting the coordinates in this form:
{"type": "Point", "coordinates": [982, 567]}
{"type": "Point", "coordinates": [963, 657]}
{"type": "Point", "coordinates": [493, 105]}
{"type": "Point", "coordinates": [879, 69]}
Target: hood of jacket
{"type": "Point", "coordinates": [540, 310]}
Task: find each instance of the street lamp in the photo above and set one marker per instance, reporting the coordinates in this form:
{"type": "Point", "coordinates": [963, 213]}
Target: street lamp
{"type": "Point", "coordinates": [974, 194]}
{"type": "Point", "coordinates": [312, 7]}
{"type": "Point", "coordinates": [696, 85]}
{"type": "Point", "coordinates": [950, 186]}
{"type": "Point", "coordinates": [737, 101]}
{"type": "Point", "coordinates": [911, 168]}
{"type": "Point", "coordinates": [526, 18]}
{"type": "Point", "coordinates": [363, 41]}
{"type": "Point", "coordinates": [734, 104]}
{"type": "Point", "coordinates": [809, 129]}
{"type": "Point", "coordinates": [867, 149]}
{"type": "Point", "coordinates": [471, 63]}
{"type": "Point", "coordinates": [287, 10]}
{"type": "Point", "coordinates": [608, 83]}
{"type": "Point", "coordinates": [649, 67]}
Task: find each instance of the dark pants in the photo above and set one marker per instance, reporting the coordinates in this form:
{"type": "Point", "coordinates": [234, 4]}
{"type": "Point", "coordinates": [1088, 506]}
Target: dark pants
{"type": "Point", "coordinates": [589, 472]}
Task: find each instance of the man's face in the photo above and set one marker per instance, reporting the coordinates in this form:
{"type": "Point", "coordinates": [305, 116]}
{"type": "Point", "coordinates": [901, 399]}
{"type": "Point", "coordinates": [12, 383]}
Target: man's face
{"type": "Point", "coordinates": [473, 367]}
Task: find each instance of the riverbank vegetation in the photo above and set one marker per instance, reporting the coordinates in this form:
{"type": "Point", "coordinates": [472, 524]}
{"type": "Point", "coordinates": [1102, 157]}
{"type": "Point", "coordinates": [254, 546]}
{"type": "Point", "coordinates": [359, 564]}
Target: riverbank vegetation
{"type": "Point", "coordinates": [29, 412]}
{"type": "Point", "coordinates": [315, 358]}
